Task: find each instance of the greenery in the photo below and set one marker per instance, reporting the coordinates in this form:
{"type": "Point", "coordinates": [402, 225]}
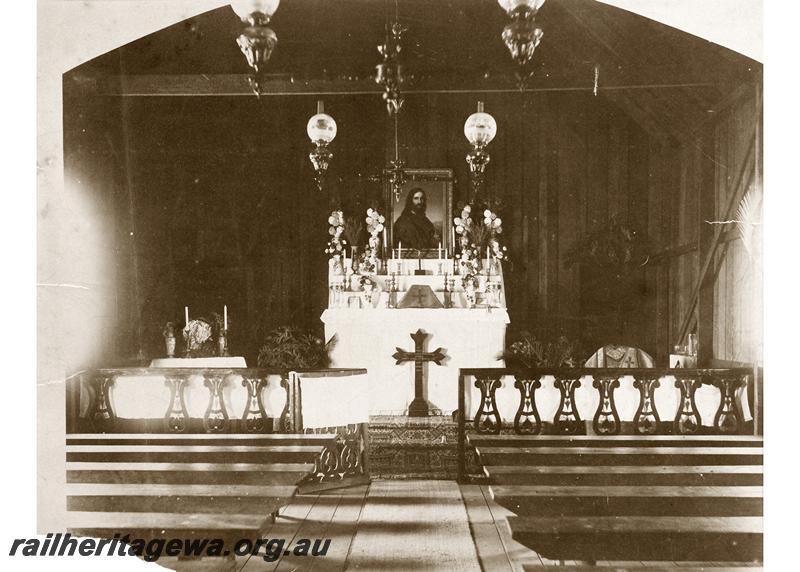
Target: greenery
{"type": "Point", "coordinates": [528, 352]}
{"type": "Point", "coordinates": [289, 347]}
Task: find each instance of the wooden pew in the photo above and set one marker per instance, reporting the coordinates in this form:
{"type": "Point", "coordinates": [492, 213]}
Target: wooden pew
{"type": "Point", "coordinates": [685, 498]}
{"type": "Point", "coordinates": [183, 486]}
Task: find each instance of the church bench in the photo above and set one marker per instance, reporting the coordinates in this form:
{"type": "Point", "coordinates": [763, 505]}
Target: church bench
{"type": "Point", "coordinates": [543, 500]}
{"type": "Point", "coordinates": [165, 524]}
{"type": "Point", "coordinates": [675, 498]}
{"type": "Point", "coordinates": [676, 538]}
{"type": "Point", "coordinates": [188, 473]}
{"type": "Point", "coordinates": [607, 455]}
{"type": "Point", "coordinates": [194, 453]}
{"type": "Point", "coordinates": [626, 440]}
{"type": "Point", "coordinates": [624, 475]}
{"type": "Point", "coordinates": [633, 567]}
{"type": "Point", "coordinates": [206, 486]}
{"type": "Point", "coordinates": [189, 499]}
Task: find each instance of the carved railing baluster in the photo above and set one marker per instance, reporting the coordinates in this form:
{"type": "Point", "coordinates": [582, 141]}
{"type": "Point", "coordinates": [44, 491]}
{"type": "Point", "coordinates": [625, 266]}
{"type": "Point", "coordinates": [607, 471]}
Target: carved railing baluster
{"type": "Point", "coordinates": [487, 419]}
{"type": "Point", "coordinates": [567, 419]}
{"type": "Point", "coordinates": [177, 416]}
{"type": "Point", "coordinates": [687, 419]}
{"type": "Point", "coordinates": [646, 420]}
{"type": "Point", "coordinates": [326, 466]}
{"type": "Point", "coordinates": [102, 416]}
{"type": "Point", "coordinates": [286, 421]}
{"type": "Point", "coordinates": [350, 451]}
{"type": "Point", "coordinates": [527, 420]}
{"type": "Point", "coordinates": [215, 419]}
{"type": "Point", "coordinates": [606, 419]}
{"type": "Point", "coordinates": [255, 418]}
{"type": "Point", "coordinates": [727, 418]}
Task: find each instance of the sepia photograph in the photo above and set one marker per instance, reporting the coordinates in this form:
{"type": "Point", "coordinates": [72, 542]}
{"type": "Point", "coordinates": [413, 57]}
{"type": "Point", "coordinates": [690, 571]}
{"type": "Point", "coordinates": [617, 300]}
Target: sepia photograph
{"type": "Point", "coordinates": [387, 285]}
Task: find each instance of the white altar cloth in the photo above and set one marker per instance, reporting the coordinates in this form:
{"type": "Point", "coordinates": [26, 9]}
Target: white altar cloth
{"type": "Point", "coordinates": [205, 363]}
{"type": "Point", "coordinates": [332, 398]}
{"type": "Point", "coordinates": [369, 337]}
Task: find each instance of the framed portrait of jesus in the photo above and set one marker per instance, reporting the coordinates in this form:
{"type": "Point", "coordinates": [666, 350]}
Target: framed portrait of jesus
{"type": "Point", "coordinates": [421, 216]}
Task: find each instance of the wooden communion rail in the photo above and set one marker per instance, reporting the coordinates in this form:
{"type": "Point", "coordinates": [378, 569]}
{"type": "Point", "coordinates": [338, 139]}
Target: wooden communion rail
{"type": "Point", "coordinates": [170, 472]}
{"type": "Point", "coordinates": [681, 490]}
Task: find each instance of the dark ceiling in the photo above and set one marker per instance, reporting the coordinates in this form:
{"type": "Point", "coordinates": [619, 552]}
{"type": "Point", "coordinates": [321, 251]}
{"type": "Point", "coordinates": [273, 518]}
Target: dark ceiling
{"type": "Point", "coordinates": [666, 80]}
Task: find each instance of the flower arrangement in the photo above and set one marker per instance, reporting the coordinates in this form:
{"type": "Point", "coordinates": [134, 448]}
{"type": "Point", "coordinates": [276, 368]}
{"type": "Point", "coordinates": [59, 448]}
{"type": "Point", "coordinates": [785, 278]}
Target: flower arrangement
{"type": "Point", "coordinates": [375, 225]}
{"type": "Point", "coordinates": [289, 347]}
{"type": "Point", "coordinates": [475, 238]}
{"type": "Point", "coordinates": [336, 244]}
{"type": "Point", "coordinates": [197, 337]}
{"type": "Point", "coordinates": [529, 352]}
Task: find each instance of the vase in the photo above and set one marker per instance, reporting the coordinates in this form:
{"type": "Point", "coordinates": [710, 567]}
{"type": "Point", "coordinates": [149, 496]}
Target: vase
{"type": "Point", "coordinates": [469, 294]}
{"type": "Point", "coordinates": [170, 343]}
{"type": "Point", "coordinates": [336, 265]}
{"type": "Point", "coordinates": [368, 290]}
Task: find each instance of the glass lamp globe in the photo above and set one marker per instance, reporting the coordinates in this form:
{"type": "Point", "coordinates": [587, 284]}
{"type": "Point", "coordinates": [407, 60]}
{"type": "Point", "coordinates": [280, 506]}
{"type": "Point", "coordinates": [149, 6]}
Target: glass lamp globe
{"type": "Point", "coordinates": [511, 5]}
{"type": "Point", "coordinates": [246, 8]}
{"type": "Point", "coordinates": [321, 128]}
{"type": "Point", "coordinates": [480, 128]}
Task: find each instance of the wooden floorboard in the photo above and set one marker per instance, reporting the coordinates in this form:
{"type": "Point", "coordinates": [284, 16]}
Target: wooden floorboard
{"type": "Point", "coordinates": [343, 529]}
{"type": "Point", "coordinates": [517, 554]}
{"type": "Point", "coordinates": [285, 526]}
{"type": "Point", "coordinates": [315, 526]}
{"type": "Point", "coordinates": [488, 544]}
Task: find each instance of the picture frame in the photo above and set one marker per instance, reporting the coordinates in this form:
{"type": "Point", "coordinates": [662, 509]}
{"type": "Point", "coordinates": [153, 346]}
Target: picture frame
{"type": "Point", "coordinates": [437, 187]}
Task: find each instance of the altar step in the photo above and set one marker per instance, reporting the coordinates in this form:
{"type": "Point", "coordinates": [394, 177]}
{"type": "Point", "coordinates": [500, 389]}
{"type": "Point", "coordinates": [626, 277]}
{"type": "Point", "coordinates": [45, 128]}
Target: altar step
{"type": "Point", "coordinates": [677, 498]}
{"type": "Point", "coordinates": [403, 447]}
{"type": "Point", "coordinates": [204, 486]}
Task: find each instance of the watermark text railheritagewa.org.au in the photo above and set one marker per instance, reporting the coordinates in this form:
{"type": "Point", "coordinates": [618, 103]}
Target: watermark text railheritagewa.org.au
{"type": "Point", "coordinates": [270, 549]}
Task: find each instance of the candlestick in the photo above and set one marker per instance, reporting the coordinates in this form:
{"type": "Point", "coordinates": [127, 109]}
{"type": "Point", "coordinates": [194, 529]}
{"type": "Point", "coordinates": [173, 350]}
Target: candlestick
{"type": "Point", "coordinates": [225, 317]}
{"type": "Point", "coordinates": [186, 314]}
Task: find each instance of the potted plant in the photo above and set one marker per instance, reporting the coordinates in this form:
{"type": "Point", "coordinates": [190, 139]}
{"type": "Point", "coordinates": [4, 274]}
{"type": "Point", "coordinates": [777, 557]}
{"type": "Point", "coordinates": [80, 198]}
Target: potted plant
{"type": "Point", "coordinates": [290, 347]}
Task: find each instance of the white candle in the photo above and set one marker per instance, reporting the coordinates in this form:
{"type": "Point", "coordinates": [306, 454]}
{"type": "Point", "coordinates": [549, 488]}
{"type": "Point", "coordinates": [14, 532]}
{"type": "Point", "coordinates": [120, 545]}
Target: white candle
{"type": "Point", "coordinates": [400, 250]}
{"type": "Point", "coordinates": [453, 238]}
{"type": "Point", "coordinates": [186, 314]}
{"type": "Point", "coordinates": [440, 250]}
{"type": "Point", "coordinates": [384, 241]}
{"type": "Point", "coordinates": [225, 317]}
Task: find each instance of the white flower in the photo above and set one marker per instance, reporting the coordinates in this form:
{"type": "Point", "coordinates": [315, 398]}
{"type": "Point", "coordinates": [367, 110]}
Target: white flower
{"type": "Point", "coordinates": [487, 213]}
{"type": "Point", "coordinates": [379, 228]}
{"type": "Point", "coordinates": [497, 222]}
{"type": "Point", "coordinates": [487, 221]}
{"type": "Point", "coordinates": [467, 209]}
{"type": "Point", "coordinates": [370, 212]}
{"type": "Point", "coordinates": [332, 231]}
{"type": "Point", "coordinates": [381, 219]}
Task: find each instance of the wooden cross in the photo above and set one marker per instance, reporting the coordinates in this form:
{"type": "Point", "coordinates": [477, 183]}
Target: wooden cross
{"type": "Point", "coordinates": [418, 407]}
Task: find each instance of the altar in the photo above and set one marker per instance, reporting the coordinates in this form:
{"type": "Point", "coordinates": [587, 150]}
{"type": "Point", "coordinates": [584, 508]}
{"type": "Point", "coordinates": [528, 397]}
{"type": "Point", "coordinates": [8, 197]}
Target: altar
{"type": "Point", "coordinates": [374, 330]}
